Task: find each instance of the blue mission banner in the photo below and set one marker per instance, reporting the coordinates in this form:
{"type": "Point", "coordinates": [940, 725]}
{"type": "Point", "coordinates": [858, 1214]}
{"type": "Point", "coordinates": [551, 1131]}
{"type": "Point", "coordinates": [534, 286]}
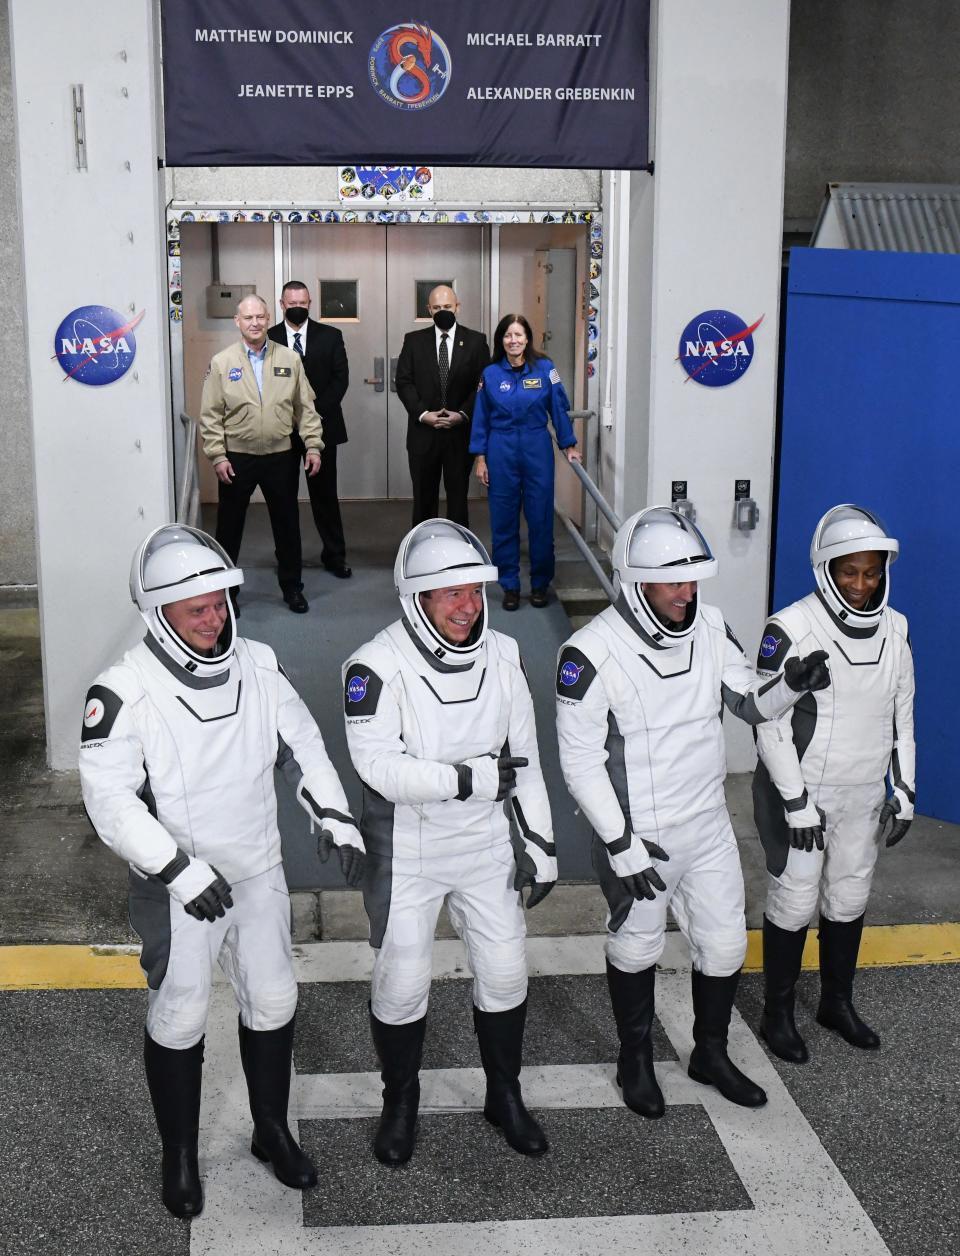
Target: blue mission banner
{"type": "Point", "coordinates": [490, 83]}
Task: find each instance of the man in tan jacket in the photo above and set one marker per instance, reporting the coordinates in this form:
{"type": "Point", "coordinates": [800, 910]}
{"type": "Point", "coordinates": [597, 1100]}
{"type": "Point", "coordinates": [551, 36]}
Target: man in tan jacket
{"type": "Point", "coordinates": [254, 396]}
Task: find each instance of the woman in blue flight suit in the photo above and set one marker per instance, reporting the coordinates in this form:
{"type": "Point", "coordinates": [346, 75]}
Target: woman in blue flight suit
{"type": "Point", "coordinates": [518, 393]}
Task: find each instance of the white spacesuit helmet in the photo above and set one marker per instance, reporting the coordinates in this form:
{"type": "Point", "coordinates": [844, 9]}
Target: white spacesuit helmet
{"type": "Point", "coordinates": [173, 563]}
{"type": "Point", "coordinates": [660, 546]}
{"type": "Point", "coordinates": [849, 529]}
{"type": "Point", "coordinates": [437, 554]}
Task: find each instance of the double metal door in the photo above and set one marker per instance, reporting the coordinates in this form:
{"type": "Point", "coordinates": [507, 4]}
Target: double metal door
{"type": "Point", "coordinates": [370, 282]}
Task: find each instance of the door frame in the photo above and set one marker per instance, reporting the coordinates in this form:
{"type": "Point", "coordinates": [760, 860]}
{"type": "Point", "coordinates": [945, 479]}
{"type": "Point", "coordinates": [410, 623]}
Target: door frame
{"type": "Point", "coordinates": [285, 217]}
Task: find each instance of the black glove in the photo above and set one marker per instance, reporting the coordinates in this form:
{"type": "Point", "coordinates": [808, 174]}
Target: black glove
{"type": "Point", "coordinates": [810, 673]}
{"type": "Point", "coordinates": [352, 859]}
{"type": "Point", "coordinates": [476, 779]}
{"type": "Point", "coordinates": [645, 884]}
{"type": "Point", "coordinates": [806, 839]}
{"type": "Point", "coordinates": [211, 902]}
{"type": "Point", "coordinates": [898, 830]}
{"type": "Point", "coordinates": [525, 875]}
{"type": "Point", "coordinates": [507, 765]}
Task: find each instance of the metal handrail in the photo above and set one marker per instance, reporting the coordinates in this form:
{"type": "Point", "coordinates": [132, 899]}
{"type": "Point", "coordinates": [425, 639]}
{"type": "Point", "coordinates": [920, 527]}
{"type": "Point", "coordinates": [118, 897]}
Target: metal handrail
{"type": "Point", "coordinates": [188, 498]}
{"type": "Point", "coordinates": [608, 513]}
{"type": "Point", "coordinates": [587, 554]}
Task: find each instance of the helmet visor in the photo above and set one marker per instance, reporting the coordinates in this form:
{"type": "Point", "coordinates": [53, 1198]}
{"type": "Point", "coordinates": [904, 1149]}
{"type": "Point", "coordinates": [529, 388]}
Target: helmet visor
{"type": "Point", "coordinates": [178, 562]}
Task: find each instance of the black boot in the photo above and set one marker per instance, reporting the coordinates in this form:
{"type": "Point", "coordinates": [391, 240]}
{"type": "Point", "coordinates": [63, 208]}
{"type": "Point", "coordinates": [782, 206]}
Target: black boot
{"type": "Point", "coordinates": [500, 1037]}
{"type": "Point", "coordinates": [782, 956]}
{"type": "Point", "coordinates": [709, 1062]}
{"type": "Point", "coordinates": [399, 1049]}
{"type": "Point", "coordinates": [267, 1056]}
{"type": "Point", "coordinates": [633, 1000]}
{"type": "Point", "coordinates": [174, 1079]}
{"type": "Point", "coordinates": [839, 948]}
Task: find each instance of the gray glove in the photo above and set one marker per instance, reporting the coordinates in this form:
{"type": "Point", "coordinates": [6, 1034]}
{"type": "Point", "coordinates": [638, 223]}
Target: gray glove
{"type": "Point", "coordinates": [806, 674]}
{"type": "Point", "coordinates": [898, 830]}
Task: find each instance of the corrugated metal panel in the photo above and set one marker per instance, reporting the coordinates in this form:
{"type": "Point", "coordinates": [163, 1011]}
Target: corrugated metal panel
{"type": "Point", "coordinates": [895, 217]}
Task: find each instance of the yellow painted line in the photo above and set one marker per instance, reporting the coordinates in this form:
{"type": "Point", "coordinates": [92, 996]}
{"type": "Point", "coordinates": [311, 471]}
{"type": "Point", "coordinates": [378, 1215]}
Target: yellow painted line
{"type": "Point", "coordinates": [118, 967]}
{"type": "Point", "coordinates": [70, 968]}
{"type": "Point", "coordinates": [883, 946]}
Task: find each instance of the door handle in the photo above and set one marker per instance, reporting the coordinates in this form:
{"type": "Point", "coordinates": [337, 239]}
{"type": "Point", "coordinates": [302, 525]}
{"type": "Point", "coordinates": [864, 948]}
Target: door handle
{"type": "Point", "coordinates": [377, 380]}
{"type": "Point", "coordinates": [393, 374]}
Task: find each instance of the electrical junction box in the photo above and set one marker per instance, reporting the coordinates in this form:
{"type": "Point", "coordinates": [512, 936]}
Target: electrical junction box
{"type": "Point", "coordinates": [223, 298]}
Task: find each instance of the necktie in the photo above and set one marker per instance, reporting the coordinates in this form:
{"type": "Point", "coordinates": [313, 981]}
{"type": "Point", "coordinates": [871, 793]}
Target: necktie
{"type": "Point", "coordinates": [297, 343]}
{"type": "Point", "coordinates": [443, 363]}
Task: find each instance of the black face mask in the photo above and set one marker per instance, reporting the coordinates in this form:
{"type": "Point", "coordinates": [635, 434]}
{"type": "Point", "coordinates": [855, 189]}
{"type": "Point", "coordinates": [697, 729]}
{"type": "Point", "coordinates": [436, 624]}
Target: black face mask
{"type": "Point", "coordinates": [296, 315]}
{"type": "Point", "coordinates": [444, 319]}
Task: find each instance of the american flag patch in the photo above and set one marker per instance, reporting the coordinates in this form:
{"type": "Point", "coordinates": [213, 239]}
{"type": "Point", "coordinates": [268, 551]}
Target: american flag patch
{"type": "Point", "coordinates": [554, 376]}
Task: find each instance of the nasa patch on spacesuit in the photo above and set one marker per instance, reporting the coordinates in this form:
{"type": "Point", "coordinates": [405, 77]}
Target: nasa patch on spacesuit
{"type": "Point", "coordinates": [775, 645]}
{"type": "Point", "coordinates": [361, 691]}
{"type": "Point", "coordinates": [575, 674]}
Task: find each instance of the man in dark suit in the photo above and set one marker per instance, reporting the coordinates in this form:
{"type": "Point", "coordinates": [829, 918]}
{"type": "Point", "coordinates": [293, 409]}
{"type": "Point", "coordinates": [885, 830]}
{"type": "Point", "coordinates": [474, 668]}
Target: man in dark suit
{"type": "Point", "coordinates": [437, 375]}
{"type": "Point", "coordinates": [325, 364]}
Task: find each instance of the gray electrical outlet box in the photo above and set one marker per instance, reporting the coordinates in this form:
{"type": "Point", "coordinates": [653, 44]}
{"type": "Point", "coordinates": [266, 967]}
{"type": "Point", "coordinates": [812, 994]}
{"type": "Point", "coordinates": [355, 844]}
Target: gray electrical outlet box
{"type": "Point", "coordinates": [222, 298]}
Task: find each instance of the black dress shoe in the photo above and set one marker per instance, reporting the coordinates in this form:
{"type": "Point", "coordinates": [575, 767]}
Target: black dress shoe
{"type": "Point", "coordinates": [296, 602]}
{"type": "Point", "coordinates": [340, 570]}
{"type": "Point", "coordinates": [538, 597]}
{"type": "Point", "coordinates": [511, 599]}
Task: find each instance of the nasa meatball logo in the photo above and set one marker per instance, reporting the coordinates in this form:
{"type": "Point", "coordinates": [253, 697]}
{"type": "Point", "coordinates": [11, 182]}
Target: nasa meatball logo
{"type": "Point", "coordinates": [93, 713]}
{"type": "Point", "coordinates": [570, 673]}
{"type": "Point", "coordinates": [96, 345]}
{"type": "Point", "coordinates": [716, 348]}
{"type": "Point", "coordinates": [235, 374]}
{"type": "Point", "coordinates": [768, 646]}
{"type": "Point", "coordinates": [409, 66]}
{"type": "Point", "coordinates": [357, 688]}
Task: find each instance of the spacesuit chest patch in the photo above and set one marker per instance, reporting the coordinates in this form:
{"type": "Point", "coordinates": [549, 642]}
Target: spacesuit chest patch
{"type": "Point", "coordinates": [534, 382]}
{"type": "Point", "coordinates": [100, 710]}
{"type": "Point", "coordinates": [575, 674]}
{"type": "Point", "coordinates": [775, 645]}
{"type": "Point", "coordinates": [361, 691]}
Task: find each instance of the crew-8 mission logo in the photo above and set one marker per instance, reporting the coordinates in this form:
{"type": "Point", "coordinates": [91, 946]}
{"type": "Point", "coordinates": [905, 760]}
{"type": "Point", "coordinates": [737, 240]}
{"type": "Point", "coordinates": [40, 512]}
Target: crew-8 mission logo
{"type": "Point", "coordinates": [409, 66]}
{"type": "Point", "coordinates": [716, 348]}
{"type": "Point", "coordinates": [96, 345]}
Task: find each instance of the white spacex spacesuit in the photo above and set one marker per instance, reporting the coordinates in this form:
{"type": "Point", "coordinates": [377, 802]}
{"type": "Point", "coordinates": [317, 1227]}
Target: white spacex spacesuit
{"type": "Point", "coordinates": [828, 758]}
{"type": "Point", "coordinates": [177, 757]}
{"type": "Point", "coordinates": [639, 707]}
{"type": "Point", "coordinates": [440, 733]}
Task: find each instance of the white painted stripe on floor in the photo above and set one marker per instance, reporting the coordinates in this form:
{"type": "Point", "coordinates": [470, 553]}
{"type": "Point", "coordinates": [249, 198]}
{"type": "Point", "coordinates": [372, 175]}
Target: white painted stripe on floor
{"type": "Point", "coordinates": [322, 1095]}
{"type": "Point", "coordinates": [546, 957]}
{"type": "Point", "coordinates": [802, 1203]}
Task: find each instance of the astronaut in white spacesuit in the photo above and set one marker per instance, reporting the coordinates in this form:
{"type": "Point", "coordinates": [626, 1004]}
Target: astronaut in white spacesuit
{"type": "Point", "coordinates": [440, 727]}
{"type": "Point", "coordinates": [819, 797]}
{"type": "Point", "coordinates": [179, 743]}
{"type": "Point", "coordinates": [640, 692]}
